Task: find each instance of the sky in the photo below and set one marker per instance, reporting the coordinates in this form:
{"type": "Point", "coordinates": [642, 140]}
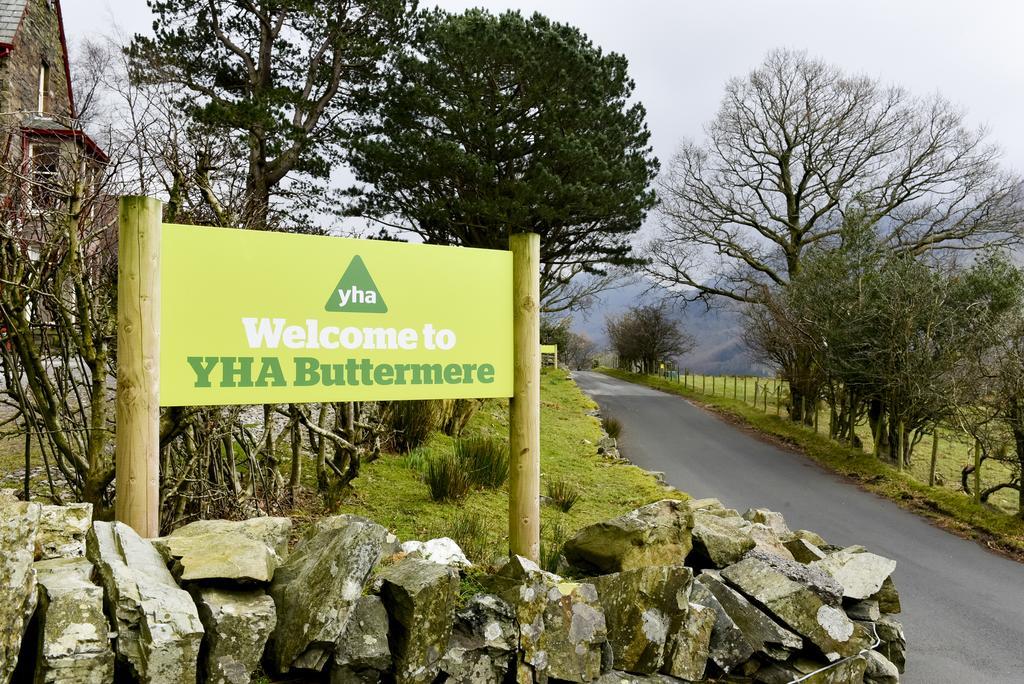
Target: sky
{"type": "Point", "coordinates": [682, 52]}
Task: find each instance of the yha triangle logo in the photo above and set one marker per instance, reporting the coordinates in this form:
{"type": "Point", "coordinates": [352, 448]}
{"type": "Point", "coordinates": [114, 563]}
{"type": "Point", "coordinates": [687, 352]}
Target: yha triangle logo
{"type": "Point", "coordinates": [356, 292]}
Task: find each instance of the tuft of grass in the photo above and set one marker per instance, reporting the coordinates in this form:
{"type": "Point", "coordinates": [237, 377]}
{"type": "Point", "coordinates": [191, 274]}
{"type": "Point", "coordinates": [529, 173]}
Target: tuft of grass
{"type": "Point", "coordinates": [952, 510]}
{"type": "Point", "coordinates": [563, 494]}
{"type": "Point", "coordinates": [447, 478]}
{"type": "Point", "coordinates": [485, 459]}
{"type": "Point", "coordinates": [411, 422]}
{"type": "Point", "coordinates": [472, 536]}
{"type": "Point", "coordinates": [612, 425]}
{"type": "Point", "coordinates": [417, 459]}
{"type": "Point", "coordinates": [551, 545]}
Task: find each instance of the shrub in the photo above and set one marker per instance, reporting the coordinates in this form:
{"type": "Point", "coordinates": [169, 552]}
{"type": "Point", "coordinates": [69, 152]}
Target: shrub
{"type": "Point", "coordinates": [563, 494]}
{"type": "Point", "coordinates": [613, 426]}
{"type": "Point", "coordinates": [446, 477]}
{"type": "Point", "coordinates": [485, 459]}
{"type": "Point", "coordinates": [411, 422]}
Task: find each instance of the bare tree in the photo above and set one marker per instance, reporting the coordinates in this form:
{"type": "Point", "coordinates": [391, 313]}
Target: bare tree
{"type": "Point", "coordinates": [575, 350]}
{"type": "Point", "coordinates": [646, 335]}
{"type": "Point", "coordinates": [795, 147]}
{"type": "Point", "coordinates": [200, 172]}
{"type": "Point", "coordinates": [799, 143]}
{"type": "Point", "coordinates": [93, 63]}
{"type": "Point", "coordinates": [57, 299]}
{"type": "Point", "coordinates": [580, 352]}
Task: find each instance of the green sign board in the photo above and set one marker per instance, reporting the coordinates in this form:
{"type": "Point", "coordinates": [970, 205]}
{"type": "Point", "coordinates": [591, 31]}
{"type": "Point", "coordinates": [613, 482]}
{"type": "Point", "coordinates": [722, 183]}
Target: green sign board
{"type": "Point", "coordinates": [549, 349]}
{"type": "Point", "coordinates": [258, 317]}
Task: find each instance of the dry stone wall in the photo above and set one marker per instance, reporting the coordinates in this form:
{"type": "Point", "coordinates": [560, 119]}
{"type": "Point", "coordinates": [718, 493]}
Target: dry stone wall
{"type": "Point", "coordinates": [676, 591]}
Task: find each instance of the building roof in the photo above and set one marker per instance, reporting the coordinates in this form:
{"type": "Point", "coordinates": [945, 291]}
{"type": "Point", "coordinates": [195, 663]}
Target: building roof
{"type": "Point", "coordinates": [11, 12]}
{"type": "Point", "coordinates": [43, 127]}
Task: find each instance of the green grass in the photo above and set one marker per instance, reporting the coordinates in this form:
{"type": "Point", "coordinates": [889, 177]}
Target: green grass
{"type": "Point", "coordinates": [952, 509]}
{"type": "Point", "coordinates": [394, 494]}
{"type": "Point", "coordinates": [12, 461]}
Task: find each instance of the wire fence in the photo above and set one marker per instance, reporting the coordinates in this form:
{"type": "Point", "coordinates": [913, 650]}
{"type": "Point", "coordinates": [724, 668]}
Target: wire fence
{"type": "Point", "coordinates": [766, 393]}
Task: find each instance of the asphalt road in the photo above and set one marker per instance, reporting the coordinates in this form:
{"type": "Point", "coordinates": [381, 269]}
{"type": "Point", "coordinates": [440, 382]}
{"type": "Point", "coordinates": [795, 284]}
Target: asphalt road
{"type": "Point", "coordinates": [963, 606]}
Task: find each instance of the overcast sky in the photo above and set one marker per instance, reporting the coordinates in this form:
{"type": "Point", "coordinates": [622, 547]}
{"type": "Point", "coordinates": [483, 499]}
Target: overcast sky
{"type": "Point", "coordinates": [681, 52]}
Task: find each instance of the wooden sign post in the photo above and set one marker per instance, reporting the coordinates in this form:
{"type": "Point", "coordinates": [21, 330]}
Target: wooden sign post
{"type": "Point", "coordinates": [137, 450]}
{"type": "Point", "coordinates": [524, 407]}
{"type": "Point", "coordinates": [550, 349]}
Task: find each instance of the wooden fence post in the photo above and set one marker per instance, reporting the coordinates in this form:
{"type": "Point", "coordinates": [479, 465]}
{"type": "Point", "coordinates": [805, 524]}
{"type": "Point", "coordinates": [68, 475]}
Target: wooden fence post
{"type": "Point", "coordinates": [137, 446]}
{"type": "Point", "coordinates": [524, 407]}
{"type": "Point", "coordinates": [935, 456]}
{"type": "Point", "coordinates": [778, 399]}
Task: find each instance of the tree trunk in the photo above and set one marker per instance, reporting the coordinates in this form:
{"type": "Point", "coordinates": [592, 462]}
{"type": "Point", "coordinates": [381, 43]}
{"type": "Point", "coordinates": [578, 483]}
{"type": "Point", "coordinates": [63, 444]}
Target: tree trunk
{"type": "Point", "coordinates": [853, 420]}
{"type": "Point", "coordinates": [321, 452]}
{"type": "Point", "coordinates": [900, 441]}
{"type": "Point", "coordinates": [880, 430]}
{"type": "Point", "coordinates": [803, 388]}
{"type": "Point", "coordinates": [1018, 438]}
{"type": "Point", "coordinates": [796, 402]}
{"type": "Point", "coordinates": [295, 481]}
{"type": "Point", "coordinates": [269, 455]}
{"type": "Point", "coordinates": [935, 456]}
{"type": "Point", "coordinates": [977, 471]}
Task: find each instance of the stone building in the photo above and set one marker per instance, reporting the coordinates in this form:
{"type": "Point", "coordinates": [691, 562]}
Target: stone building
{"type": "Point", "coordinates": [50, 169]}
{"type": "Point", "coordinates": [38, 129]}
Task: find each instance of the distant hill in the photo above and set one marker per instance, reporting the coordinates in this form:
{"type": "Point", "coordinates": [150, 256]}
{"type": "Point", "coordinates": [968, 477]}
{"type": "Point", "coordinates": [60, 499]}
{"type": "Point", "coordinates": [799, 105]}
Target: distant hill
{"type": "Point", "coordinates": [718, 332]}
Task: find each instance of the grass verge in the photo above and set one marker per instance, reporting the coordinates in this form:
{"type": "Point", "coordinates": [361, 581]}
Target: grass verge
{"type": "Point", "coordinates": [952, 510]}
{"type": "Point", "coordinates": [392, 491]}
